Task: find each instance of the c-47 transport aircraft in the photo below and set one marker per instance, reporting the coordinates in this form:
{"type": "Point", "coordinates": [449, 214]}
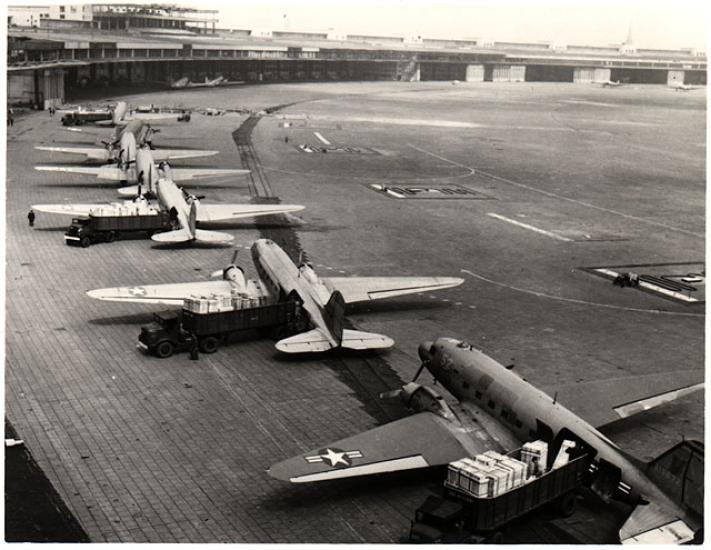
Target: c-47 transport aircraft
{"type": "Point", "coordinates": [324, 299]}
{"type": "Point", "coordinates": [498, 410]}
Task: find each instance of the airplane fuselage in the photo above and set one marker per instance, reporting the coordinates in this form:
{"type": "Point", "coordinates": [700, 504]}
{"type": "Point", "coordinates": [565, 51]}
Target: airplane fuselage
{"type": "Point", "coordinates": [526, 412]}
{"type": "Point", "coordinates": [170, 196]}
{"type": "Point", "coordinates": [279, 273]}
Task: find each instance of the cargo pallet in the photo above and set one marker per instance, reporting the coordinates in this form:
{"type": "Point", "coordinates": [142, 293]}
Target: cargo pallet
{"type": "Point", "coordinates": [460, 518]}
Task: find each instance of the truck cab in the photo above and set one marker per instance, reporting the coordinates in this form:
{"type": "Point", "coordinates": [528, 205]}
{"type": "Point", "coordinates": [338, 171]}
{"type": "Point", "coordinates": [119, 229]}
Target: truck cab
{"type": "Point", "coordinates": [79, 233]}
{"type": "Point", "coordinates": [164, 336]}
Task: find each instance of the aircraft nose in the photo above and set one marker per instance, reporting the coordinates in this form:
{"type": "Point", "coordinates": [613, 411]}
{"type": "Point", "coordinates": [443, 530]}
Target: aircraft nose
{"type": "Point", "coordinates": [424, 350]}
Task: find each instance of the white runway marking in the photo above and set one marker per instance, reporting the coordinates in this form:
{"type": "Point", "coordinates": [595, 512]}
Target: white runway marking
{"type": "Point", "coordinates": [581, 302]}
{"type": "Point", "coordinates": [323, 139]}
{"type": "Point", "coordinates": [529, 227]}
{"type": "Point", "coordinates": [562, 197]}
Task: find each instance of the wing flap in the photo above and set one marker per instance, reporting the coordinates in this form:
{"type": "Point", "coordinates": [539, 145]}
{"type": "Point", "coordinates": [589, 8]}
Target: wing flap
{"type": "Point", "coordinates": [170, 294]}
{"type": "Point", "coordinates": [94, 153]}
{"type": "Point", "coordinates": [222, 212]}
{"type": "Point", "coordinates": [601, 402]}
{"type": "Point", "coordinates": [67, 209]}
{"type": "Point", "coordinates": [182, 174]}
{"type": "Point", "coordinates": [103, 172]}
{"type": "Point", "coordinates": [173, 154]}
{"type": "Point", "coordinates": [416, 441]}
{"type": "Point", "coordinates": [359, 289]}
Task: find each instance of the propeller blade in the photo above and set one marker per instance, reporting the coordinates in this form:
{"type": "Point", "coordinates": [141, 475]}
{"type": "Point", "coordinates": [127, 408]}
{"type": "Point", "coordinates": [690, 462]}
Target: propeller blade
{"type": "Point", "coordinates": [217, 273]}
{"type": "Point", "coordinates": [234, 257]}
{"type": "Point", "coordinates": [392, 394]}
{"type": "Point", "coordinates": [419, 371]}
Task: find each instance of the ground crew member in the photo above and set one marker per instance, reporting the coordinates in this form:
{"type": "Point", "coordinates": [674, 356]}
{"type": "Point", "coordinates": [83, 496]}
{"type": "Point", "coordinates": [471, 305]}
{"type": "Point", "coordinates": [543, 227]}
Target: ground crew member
{"type": "Point", "coordinates": [194, 352]}
{"type": "Point", "coordinates": [31, 218]}
{"type": "Point", "coordinates": [286, 139]}
{"type": "Point", "coordinates": [10, 119]}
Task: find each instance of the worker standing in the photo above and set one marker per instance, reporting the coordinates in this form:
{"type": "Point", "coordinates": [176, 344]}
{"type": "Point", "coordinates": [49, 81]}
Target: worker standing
{"type": "Point", "coordinates": [31, 217]}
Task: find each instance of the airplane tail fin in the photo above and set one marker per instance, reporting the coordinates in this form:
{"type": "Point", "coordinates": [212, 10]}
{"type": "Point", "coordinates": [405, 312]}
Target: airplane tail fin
{"type": "Point", "coordinates": [333, 315]}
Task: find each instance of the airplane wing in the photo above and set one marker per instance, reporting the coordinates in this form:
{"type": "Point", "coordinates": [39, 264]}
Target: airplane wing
{"type": "Point", "coordinates": [172, 154]}
{"type": "Point", "coordinates": [67, 209]}
{"type": "Point", "coordinates": [652, 523]}
{"type": "Point", "coordinates": [182, 174]}
{"type": "Point", "coordinates": [171, 294]}
{"type": "Point", "coordinates": [418, 441]}
{"type": "Point", "coordinates": [94, 153]}
{"type": "Point", "coordinates": [358, 289]}
{"type": "Point", "coordinates": [601, 402]}
{"type": "Point", "coordinates": [218, 212]}
{"type": "Point", "coordinates": [108, 172]}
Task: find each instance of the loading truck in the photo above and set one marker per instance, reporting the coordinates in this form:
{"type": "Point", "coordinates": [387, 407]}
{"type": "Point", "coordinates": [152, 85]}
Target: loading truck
{"type": "Point", "coordinates": [457, 516]}
{"type": "Point", "coordinates": [177, 331]}
{"type": "Point", "coordinates": [114, 221]}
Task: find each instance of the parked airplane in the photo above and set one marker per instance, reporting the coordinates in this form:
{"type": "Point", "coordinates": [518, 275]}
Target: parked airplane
{"type": "Point", "coordinates": [122, 149]}
{"type": "Point", "coordinates": [186, 209]}
{"type": "Point", "coordinates": [681, 87]}
{"type": "Point", "coordinates": [609, 83]}
{"type": "Point", "coordinates": [219, 81]}
{"type": "Point", "coordinates": [324, 299]}
{"type": "Point", "coordinates": [499, 410]}
{"type": "Point", "coordinates": [118, 116]}
{"type": "Point", "coordinates": [145, 167]}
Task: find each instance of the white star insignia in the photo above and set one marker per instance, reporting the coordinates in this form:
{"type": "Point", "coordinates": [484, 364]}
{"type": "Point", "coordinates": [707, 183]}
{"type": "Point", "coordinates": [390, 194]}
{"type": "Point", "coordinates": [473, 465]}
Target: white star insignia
{"type": "Point", "coordinates": [335, 458]}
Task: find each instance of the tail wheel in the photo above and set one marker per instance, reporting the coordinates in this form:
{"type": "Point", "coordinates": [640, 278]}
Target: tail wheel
{"type": "Point", "coordinates": [85, 242]}
{"type": "Point", "coordinates": [565, 505]}
{"type": "Point", "coordinates": [209, 344]}
{"type": "Point", "coordinates": [165, 349]}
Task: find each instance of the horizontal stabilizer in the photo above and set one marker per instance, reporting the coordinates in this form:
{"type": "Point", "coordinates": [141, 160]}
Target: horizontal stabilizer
{"type": "Point", "coordinates": [223, 212]}
{"type": "Point", "coordinates": [355, 339]}
{"type": "Point", "coordinates": [653, 524]}
{"type": "Point", "coordinates": [182, 174]}
{"type": "Point", "coordinates": [307, 342]}
{"type": "Point", "coordinates": [212, 236]}
{"type": "Point", "coordinates": [178, 236]}
{"type": "Point", "coordinates": [416, 441]}
{"type": "Point", "coordinates": [173, 154]}
{"type": "Point", "coordinates": [94, 153]}
{"type": "Point", "coordinates": [129, 191]}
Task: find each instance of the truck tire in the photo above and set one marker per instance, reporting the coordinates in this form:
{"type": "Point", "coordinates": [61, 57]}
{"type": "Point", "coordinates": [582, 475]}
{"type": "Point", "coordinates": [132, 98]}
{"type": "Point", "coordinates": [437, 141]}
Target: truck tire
{"type": "Point", "coordinates": [165, 349]}
{"type": "Point", "coordinates": [85, 242]}
{"type": "Point", "coordinates": [494, 538]}
{"type": "Point", "coordinates": [209, 344]}
{"type": "Point", "coordinates": [111, 236]}
{"type": "Point", "coordinates": [565, 505]}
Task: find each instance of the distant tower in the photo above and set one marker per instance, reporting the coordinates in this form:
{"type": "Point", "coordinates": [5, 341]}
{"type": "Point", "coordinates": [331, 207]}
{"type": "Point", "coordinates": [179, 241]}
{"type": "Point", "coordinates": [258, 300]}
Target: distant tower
{"type": "Point", "coordinates": [628, 46]}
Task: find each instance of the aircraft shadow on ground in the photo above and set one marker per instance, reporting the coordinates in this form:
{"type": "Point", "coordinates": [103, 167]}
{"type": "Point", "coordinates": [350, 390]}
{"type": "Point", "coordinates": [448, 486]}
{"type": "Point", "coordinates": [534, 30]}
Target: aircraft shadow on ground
{"type": "Point", "coordinates": [338, 353]}
{"type": "Point", "coordinates": [57, 228]}
{"type": "Point", "coordinates": [90, 184]}
{"type": "Point", "coordinates": [133, 319]}
{"type": "Point", "coordinates": [190, 244]}
{"type": "Point", "coordinates": [412, 305]}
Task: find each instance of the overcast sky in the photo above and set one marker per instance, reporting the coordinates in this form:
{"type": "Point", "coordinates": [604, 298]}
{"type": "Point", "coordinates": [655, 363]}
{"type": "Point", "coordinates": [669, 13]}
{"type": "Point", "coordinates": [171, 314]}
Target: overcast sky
{"type": "Point", "coordinates": [655, 24]}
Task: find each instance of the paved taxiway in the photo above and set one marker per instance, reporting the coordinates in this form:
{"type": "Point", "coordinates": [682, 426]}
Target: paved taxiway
{"type": "Point", "coordinates": [150, 450]}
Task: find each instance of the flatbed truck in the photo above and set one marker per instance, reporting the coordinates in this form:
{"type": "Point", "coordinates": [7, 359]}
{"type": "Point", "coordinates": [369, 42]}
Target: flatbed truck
{"type": "Point", "coordinates": [456, 517]}
{"type": "Point", "coordinates": [101, 228]}
{"type": "Point", "coordinates": [176, 331]}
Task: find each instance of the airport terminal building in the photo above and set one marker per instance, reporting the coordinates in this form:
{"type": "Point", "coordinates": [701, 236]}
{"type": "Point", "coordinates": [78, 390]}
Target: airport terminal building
{"type": "Point", "coordinates": [53, 51]}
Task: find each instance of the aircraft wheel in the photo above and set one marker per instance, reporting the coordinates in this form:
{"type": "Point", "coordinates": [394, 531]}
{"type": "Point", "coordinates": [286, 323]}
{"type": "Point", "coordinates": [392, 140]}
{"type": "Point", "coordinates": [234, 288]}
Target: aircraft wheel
{"type": "Point", "coordinates": [165, 349]}
{"type": "Point", "coordinates": [209, 344]}
{"type": "Point", "coordinates": [565, 505]}
{"type": "Point", "coordinates": [85, 242]}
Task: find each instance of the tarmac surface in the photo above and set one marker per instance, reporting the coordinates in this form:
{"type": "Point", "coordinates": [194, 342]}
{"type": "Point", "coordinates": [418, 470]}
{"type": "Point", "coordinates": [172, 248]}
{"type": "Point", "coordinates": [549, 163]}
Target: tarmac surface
{"type": "Point", "coordinates": [564, 177]}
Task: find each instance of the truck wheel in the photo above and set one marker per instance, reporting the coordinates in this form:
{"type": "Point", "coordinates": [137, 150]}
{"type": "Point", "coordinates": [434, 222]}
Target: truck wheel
{"type": "Point", "coordinates": [165, 349]}
{"type": "Point", "coordinates": [495, 538]}
{"type": "Point", "coordinates": [111, 236]}
{"type": "Point", "coordinates": [565, 505]}
{"type": "Point", "coordinates": [85, 242]}
{"type": "Point", "coordinates": [209, 344]}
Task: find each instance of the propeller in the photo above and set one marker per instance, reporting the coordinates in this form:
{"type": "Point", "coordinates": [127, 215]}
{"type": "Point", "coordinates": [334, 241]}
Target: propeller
{"type": "Point", "coordinates": [233, 263]}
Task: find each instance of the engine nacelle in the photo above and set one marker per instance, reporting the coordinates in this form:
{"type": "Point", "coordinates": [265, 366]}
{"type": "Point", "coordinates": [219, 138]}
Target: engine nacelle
{"type": "Point", "coordinates": [235, 275]}
{"type": "Point", "coordinates": [423, 398]}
